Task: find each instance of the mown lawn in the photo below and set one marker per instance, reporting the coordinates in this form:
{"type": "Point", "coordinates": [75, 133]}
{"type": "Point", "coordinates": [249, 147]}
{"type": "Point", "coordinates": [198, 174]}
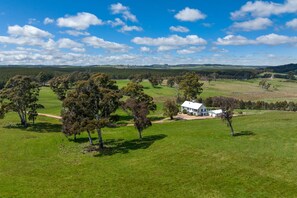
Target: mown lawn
{"type": "Point", "coordinates": [180, 159]}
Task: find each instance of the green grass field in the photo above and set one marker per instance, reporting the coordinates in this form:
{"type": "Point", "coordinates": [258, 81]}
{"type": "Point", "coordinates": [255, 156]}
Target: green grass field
{"type": "Point", "coordinates": [178, 159]}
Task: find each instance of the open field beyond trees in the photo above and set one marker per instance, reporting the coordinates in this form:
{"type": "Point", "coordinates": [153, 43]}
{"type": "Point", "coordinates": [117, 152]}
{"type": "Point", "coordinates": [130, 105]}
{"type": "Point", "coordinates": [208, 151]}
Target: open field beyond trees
{"type": "Point", "coordinates": [178, 159]}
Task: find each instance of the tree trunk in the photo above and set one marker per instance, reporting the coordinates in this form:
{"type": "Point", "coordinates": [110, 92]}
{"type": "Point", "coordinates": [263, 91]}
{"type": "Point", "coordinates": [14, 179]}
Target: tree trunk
{"type": "Point", "coordinates": [74, 137]}
{"type": "Point", "coordinates": [140, 134]}
{"type": "Point", "coordinates": [90, 138]}
{"type": "Point", "coordinates": [171, 117]}
{"type": "Point", "coordinates": [101, 145]}
{"type": "Point", "coordinates": [231, 127]}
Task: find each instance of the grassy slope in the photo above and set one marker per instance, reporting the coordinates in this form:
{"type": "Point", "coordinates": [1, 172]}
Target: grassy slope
{"type": "Point", "coordinates": [182, 159]}
{"type": "Point", "coordinates": [246, 90]}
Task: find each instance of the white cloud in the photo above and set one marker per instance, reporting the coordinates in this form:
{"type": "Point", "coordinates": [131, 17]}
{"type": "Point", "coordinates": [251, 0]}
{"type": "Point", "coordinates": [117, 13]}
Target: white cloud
{"type": "Point", "coordinates": [127, 28]}
{"type": "Point", "coordinates": [145, 49]}
{"type": "Point", "coordinates": [178, 29]}
{"type": "Point", "coordinates": [27, 31]}
{"type": "Point", "coordinates": [119, 8]}
{"type": "Point", "coordinates": [270, 39]}
{"type": "Point", "coordinates": [251, 25]}
{"type": "Point", "coordinates": [265, 9]}
{"type": "Point", "coordinates": [81, 21]}
{"type": "Point", "coordinates": [173, 40]}
{"type": "Point", "coordinates": [48, 20]}
{"type": "Point", "coordinates": [164, 48]}
{"type": "Point", "coordinates": [67, 43]}
{"type": "Point", "coordinates": [101, 43]}
{"type": "Point", "coordinates": [191, 50]}
{"type": "Point", "coordinates": [116, 22]}
{"type": "Point", "coordinates": [76, 33]}
{"type": "Point", "coordinates": [292, 24]}
{"type": "Point", "coordinates": [189, 14]}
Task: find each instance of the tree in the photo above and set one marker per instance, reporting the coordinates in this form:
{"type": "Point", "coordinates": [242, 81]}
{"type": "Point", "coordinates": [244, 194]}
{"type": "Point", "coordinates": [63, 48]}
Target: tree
{"type": "Point", "coordinates": [140, 111]}
{"type": "Point", "coordinates": [60, 85]}
{"type": "Point", "coordinates": [170, 108]}
{"type": "Point", "coordinates": [42, 77]}
{"type": "Point", "coordinates": [170, 82]}
{"type": "Point", "coordinates": [88, 107]}
{"type": "Point", "coordinates": [136, 78]}
{"type": "Point", "coordinates": [20, 94]}
{"type": "Point", "coordinates": [227, 105]}
{"type": "Point", "coordinates": [291, 75]}
{"type": "Point", "coordinates": [155, 80]}
{"type": "Point", "coordinates": [138, 105]}
{"type": "Point", "coordinates": [190, 86]}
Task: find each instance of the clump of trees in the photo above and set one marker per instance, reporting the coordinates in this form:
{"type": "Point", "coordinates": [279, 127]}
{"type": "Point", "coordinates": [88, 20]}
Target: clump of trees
{"type": "Point", "coordinates": [155, 80]}
{"type": "Point", "coordinates": [170, 108]}
{"type": "Point", "coordinates": [264, 84]}
{"type": "Point", "coordinates": [88, 107]}
{"type": "Point", "coordinates": [253, 105]}
{"type": "Point", "coordinates": [138, 105]}
{"type": "Point", "coordinates": [20, 94]}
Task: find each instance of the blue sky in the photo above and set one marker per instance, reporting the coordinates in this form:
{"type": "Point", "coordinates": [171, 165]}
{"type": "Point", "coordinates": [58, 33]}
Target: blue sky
{"type": "Point", "coordinates": [143, 32]}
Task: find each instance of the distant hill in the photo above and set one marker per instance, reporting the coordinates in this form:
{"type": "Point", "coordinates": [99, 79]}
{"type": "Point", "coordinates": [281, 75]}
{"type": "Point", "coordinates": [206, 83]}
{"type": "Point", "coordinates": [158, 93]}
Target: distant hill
{"type": "Point", "coordinates": [284, 68]}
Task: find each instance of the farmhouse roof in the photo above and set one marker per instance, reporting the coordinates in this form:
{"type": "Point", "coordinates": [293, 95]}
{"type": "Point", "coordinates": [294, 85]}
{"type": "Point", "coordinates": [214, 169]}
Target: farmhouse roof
{"type": "Point", "coordinates": [192, 105]}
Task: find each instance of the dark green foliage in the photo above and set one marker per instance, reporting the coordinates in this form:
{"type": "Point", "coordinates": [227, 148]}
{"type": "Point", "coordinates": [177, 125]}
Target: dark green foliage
{"type": "Point", "coordinates": [258, 105]}
{"type": "Point", "coordinates": [171, 82]}
{"type": "Point", "coordinates": [170, 108]}
{"type": "Point", "coordinates": [43, 78]}
{"type": "Point", "coordinates": [190, 86]}
{"type": "Point", "coordinates": [155, 80]}
{"type": "Point", "coordinates": [89, 105]}
{"type": "Point", "coordinates": [20, 94]}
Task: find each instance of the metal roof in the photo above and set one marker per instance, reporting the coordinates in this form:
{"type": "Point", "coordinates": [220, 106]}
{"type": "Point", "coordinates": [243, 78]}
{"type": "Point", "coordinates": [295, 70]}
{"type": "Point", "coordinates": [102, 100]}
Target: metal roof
{"type": "Point", "coordinates": [192, 105]}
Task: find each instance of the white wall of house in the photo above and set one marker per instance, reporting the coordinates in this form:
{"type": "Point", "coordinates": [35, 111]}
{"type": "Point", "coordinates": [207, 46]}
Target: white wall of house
{"type": "Point", "coordinates": [197, 109]}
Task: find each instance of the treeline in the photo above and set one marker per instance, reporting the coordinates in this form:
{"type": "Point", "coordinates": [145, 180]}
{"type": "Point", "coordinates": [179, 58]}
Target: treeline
{"type": "Point", "coordinates": [258, 105]}
{"type": "Point", "coordinates": [284, 68]}
{"type": "Point", "coordinates": [125, 73]}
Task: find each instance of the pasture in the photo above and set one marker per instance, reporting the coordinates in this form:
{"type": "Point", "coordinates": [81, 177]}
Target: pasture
{"type": "Point", "coordinates": [177, 159]}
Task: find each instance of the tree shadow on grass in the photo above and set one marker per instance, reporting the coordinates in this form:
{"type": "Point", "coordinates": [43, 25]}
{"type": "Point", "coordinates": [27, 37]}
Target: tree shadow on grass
{"type": "Point", "coordinates": [244, 133]}
{"type": "Point", "coordinates": [40, 127]}
{"type": "Point", "coordinates": [114, 146]}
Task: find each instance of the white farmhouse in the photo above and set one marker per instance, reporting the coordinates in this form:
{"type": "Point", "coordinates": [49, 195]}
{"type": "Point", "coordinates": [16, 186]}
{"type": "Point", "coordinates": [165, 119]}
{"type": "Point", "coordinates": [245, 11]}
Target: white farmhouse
{"type": "Point", "coordinates": [194, 108]}
{"type": "Point", "coordinates": [215, 113]}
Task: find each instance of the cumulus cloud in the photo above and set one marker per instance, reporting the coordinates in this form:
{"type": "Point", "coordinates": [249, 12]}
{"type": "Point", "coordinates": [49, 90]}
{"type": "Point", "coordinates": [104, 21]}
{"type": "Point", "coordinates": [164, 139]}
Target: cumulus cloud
{"type": "Point", "coordinates": [76, 33]}
{"type": "Point", "coordinates": [251, 25]}
{"type": "Point", "coordinates": [191, 50]}
{"type": "Point", "coordinates": [81, 21]}
{"type": "Point", "coordinates": [173, 40]}
{"type": "Point", "coordinates": [127, 28]}
{"type": "Point", "coordinates": [189, 14]}
{"type": "Point", "coordinates": [107, 45]}
{"type": "Point", "coordinates": [292, 24]}
{"type": "Point", "coordinates": [116, 22]}
{"type": "Point", "coordinates": [28, 31]}
{"type": "Point", "coordinates": [48, 20]}
{"type": "Point", "coordinates": [145, 49]}
{"type": "Point", "coordinates": [179, 29]}
{"type": "Point", "coordinates": [264, 9]}
{"type": "Point", "coordinates": [67, 43]}
{"type": "Point", "coordinates": [269, 39]}
{"type": "Point", "coordinates": [119, 8]}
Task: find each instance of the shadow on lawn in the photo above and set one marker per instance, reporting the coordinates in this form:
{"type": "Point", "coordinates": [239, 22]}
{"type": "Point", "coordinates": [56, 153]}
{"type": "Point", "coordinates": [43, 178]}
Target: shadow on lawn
{"type": "Point", "coordinates": [244, 133]}
{"type": "Point", "coordinates": [40, 127]}
{"type": "Point", "coordinates": [124, 146]}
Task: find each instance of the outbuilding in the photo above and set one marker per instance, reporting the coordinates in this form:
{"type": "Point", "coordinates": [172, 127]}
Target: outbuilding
{"type": "Point", "coordinates": [215, 113]}
{"type": "Point", "coordinates": [194, 108]}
